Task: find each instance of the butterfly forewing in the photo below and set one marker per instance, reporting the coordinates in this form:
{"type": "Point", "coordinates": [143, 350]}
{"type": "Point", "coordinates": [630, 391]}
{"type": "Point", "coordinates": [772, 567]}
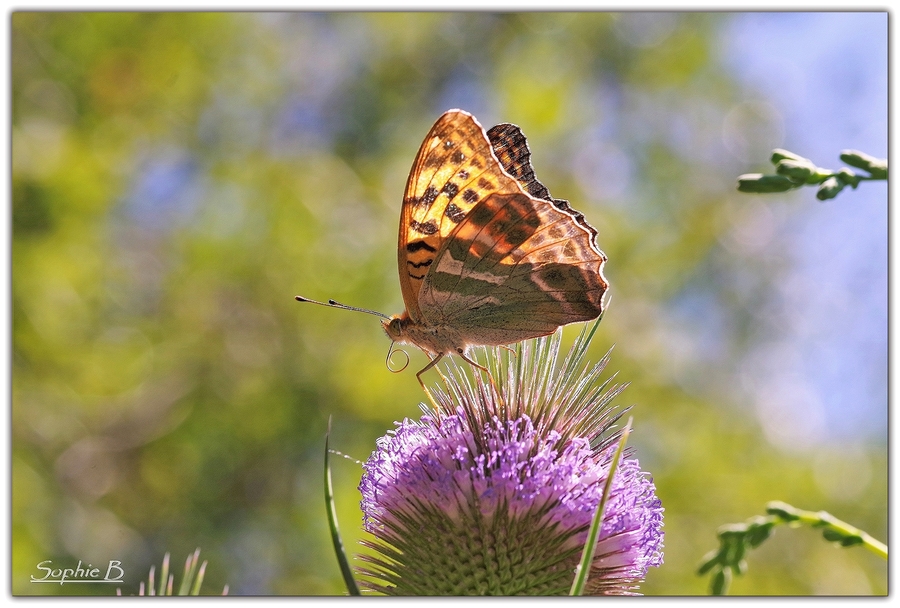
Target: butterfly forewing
{"type": "Point", "coordinates": [453, 171]}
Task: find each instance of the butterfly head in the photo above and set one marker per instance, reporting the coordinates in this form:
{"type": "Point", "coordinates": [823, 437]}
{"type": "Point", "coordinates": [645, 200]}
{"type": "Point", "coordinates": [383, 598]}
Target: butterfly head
{"type": "Point", "coordinates": [395, 327]}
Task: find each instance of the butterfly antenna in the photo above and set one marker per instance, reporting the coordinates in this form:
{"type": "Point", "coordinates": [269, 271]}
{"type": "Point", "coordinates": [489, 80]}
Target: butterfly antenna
{"type": "Point", "coordinates": [336, 304]}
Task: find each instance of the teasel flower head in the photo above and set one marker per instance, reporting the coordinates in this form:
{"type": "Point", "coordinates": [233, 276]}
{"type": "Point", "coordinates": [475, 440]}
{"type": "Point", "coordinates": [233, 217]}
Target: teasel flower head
{"type": "Point", "coordinates": [493, 490]}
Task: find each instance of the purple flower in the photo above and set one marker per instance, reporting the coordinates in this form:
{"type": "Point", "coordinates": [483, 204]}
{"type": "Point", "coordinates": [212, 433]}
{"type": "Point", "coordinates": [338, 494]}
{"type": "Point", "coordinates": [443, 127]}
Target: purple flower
{"type": "Point", "coordinates": [493, 493]}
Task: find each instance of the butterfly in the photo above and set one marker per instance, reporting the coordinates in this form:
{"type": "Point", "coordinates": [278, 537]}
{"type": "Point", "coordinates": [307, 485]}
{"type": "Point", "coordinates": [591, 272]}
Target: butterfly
{"type": "Point", "coordinates": [486, 256]}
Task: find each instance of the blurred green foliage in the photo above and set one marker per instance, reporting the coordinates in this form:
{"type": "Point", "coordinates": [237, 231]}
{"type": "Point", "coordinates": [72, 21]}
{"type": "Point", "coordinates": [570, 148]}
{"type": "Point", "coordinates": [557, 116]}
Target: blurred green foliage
{"type": "Point", "coordinates": [178, 177]}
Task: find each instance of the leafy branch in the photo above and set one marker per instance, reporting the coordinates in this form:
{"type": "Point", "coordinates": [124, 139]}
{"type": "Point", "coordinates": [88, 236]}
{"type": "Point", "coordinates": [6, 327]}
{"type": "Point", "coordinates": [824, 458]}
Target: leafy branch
{"type": "Point", "coordinates": [793, 171]}
{"type": "Point", "coordinates": [736, 539]}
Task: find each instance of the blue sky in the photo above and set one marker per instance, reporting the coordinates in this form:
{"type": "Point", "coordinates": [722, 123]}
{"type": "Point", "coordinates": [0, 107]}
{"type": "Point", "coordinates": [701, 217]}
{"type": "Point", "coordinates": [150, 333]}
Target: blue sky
{"type": "Point", "coordinates": [826, 75]}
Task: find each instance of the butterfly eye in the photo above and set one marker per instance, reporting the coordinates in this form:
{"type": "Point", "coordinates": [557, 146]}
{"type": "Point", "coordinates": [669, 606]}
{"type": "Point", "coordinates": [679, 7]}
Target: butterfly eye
{"type": "Point", "coordinates": [394, 328]}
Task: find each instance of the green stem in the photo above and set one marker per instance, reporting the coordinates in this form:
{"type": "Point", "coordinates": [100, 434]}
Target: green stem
{"type": "Point", "coordinates": [346, 571]}
{"type": "Point", "coordinates": [823, 519]}
{"type": "Point", "coordinates": [587, 555]}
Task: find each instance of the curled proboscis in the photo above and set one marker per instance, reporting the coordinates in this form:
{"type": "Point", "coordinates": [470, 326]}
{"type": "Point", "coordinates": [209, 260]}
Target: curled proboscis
{"type": "Point", "coordinates": [389, 364]}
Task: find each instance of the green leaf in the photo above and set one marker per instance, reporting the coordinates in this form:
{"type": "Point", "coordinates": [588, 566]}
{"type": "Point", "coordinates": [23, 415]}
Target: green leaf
{"type": "Point", "coordinates": [164, 575]}
{"type": "Point", "coordinates": [590, 546]}
{"type": "Point", "coordinates": [797, 170]}
{"type": "Point", "coordinates": [758, 534]}
{"type": "Point", "coordinates": [849, 177]}
{"type": "Point", "coordinates": [782, 510]}
{"type": "Point", "coordinates": [829, 188]}
{"type": "Point", "coordinates": [780, 154]}
{"type": "Point", "coordinates": [844, 539]}
{"type": "Point", "coordinates": [198, 582]}
{"type": "Point", "coordinates": [346, 571]}
{"type": "Point", "coordinates": [711, 559]}
{"type": "Point", "coordinates": [762, 184]}
{"type": "Point", "coordinates": [721, 580]}
{"type": "Point", "coordinates": [877, 167]}
{"type": "Point", "coordinates": [190, 571]}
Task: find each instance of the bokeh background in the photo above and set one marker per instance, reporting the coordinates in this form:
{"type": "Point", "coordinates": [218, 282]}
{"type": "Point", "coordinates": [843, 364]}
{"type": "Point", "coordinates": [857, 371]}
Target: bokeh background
{"type": "Point", "coordinates": [177, 178]}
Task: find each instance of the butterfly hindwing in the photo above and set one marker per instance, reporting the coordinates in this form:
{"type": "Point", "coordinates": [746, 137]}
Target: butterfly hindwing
{"type": "Point", "coordinates": [511, 149]}
{"type": "Point", "coordinates": [516, 268]}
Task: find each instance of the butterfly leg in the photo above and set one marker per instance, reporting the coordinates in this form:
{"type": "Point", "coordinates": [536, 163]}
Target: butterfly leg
{"type": "Point", "coordinates": [508, 349]}
{"type": "Point", "coordinates": [422, 384]}
{"type": "Point", "coordinates": [462, 354]}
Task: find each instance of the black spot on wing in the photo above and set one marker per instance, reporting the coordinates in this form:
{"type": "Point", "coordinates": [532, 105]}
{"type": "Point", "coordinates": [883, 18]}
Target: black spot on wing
{"type": "Point", "coordinates": [415, 246]}
{"type": "Point", "coordinates": [420, 264]}
{"type": "Point", "coordinates": [428, 196]}
{"type": "Point", "coordinates": [429, 227]}
{"type": "Point", "coordinates": [450, 189]}
{"type": "Point", "coordinates": [481, 215]}
{"type": "Point", "coordinates": [454, 213]}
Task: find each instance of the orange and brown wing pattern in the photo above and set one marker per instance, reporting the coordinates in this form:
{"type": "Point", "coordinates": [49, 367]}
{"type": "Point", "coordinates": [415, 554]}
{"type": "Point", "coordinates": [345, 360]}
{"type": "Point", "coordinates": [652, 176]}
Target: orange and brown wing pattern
{"type": "Point", "coordinates": [511, 148]}
{"type": "Point", "coordinates": [516, 268]}
{"type": "Point", "coordinates": [452, 173]}
{"type": "Point", "coordinates": [520, 264]}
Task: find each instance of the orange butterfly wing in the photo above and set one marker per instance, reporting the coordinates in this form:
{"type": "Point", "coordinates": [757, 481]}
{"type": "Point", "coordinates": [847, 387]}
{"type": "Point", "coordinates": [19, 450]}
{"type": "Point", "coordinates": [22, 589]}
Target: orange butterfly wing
{"type": "Point", "coordinates": [450, 175]}
{"type": "Point", "coordinates": [483, 248]}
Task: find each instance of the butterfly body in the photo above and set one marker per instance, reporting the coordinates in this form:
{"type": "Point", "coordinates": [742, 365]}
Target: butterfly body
{"type": "Point", "coordinates": [434, 339]}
